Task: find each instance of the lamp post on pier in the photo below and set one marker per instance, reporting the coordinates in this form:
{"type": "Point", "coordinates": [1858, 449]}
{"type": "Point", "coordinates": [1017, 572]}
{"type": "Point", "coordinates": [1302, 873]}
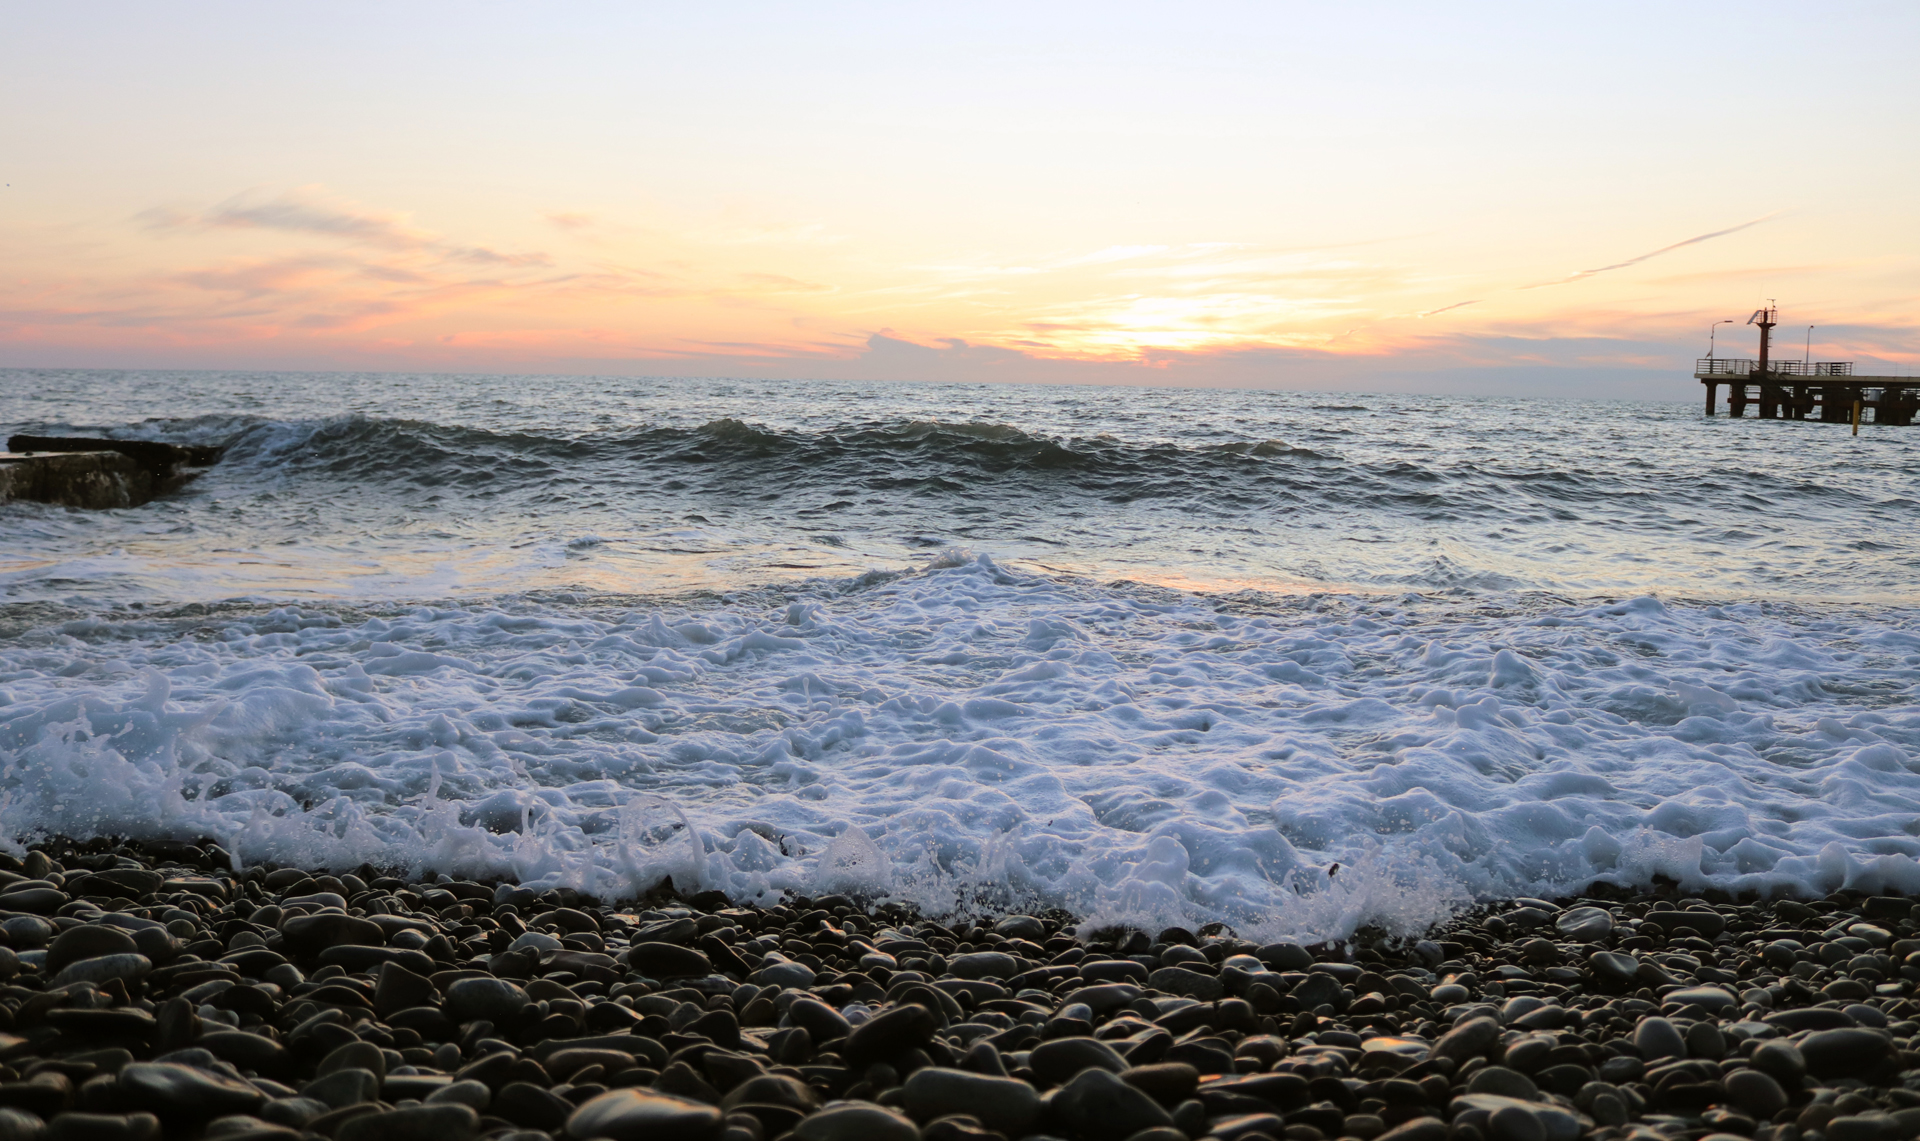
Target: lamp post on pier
{"type": "Point", "coordinates": [1711, 330]}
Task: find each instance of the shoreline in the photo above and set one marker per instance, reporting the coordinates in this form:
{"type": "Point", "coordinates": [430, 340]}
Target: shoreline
{"type": "Point", "coordinates": [145, 980]}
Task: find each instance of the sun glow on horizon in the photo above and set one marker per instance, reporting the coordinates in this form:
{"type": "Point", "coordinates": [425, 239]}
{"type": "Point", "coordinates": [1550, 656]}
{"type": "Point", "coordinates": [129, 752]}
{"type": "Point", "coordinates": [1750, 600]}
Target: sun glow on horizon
{"type": "Point", "coordinates": [784, 195]}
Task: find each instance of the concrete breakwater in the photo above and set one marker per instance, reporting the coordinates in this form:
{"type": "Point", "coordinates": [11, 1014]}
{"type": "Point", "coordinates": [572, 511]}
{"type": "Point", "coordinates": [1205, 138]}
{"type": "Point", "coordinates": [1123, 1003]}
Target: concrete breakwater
{"type": "Point", "coordinates": [95, 473]}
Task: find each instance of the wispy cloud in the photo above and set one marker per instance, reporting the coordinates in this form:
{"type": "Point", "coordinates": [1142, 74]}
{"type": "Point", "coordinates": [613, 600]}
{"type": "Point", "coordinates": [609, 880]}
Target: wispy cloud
{"type": "Point", "coordinates": [1446, 308]}
{"type": "Point", "coordinates": [1693, 241]}
{"type": "Point", "coordinates": [306, 213]}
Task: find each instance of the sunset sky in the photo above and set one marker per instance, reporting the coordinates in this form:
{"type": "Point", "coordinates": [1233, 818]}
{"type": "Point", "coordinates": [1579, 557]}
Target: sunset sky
{"type": "Point", "coordinates": [1445, 197]}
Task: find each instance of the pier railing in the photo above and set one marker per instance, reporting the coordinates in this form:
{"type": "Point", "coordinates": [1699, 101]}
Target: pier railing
{"type": "Point", "coordinates": [1739, 366]}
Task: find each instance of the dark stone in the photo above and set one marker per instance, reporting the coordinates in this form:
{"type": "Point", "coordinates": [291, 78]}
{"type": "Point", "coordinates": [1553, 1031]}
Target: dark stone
{"type": "Point", "coordinates": [87, 941]}
{"type": "Point", "coordinates": [1469, 1039]}
{"type": "Point", "coordinates": [772, 1089]}
{"type": "Point", "coordinates": [1503, 1081]}
{"type": "Point", "coordinates": [1658, 1038]}
{"type": "Point", "coordinates": [311, 934]}
{"type": "Point", "coordinates": [104, 1127]}
{"type": "Point", "coordinates": [1193, 984]}
{"type": "Point", "coordinates": [1282, 1091]}
{"type": "Point", "coordinates": [430, 1022]}
{"type": "Point", "coordinates": [855, 1121]}
{"type": "Point", "coordinates": [1417, 1129]}
{"type": "Point", "coordinates": [355, 959]}
{"type": "Point", "coordinates": [34, 900]}
{"type": "Point", "coordinates": [668, 961]}
{"type": "Point", "coordinates": [524, 1103]}
{"type": "Point", "coordinates": [183, 1091]}
{"type": "Point", "coordinates": [442, 1122]}
{"type": "Point", "coordinates": [888, 1035]}
{"type": "Point", "coordinates": [823, 1022]}
{"type": "Point", "coordinates": [1850, 1052]}
{"type": "Point", "coordinates": [241, 1128]}
{"type": "Point", "coordinates": [721, 1026]}
{"type": "Point", "coordinates": [485, 999]}
{"type": "Point", "coordinates": [1515, 1123]}
{"type": "Point", "coordinates": [1170, 1082]}
{"type": "Point", "coordinates": [643, 1115]}
{"type": "Point", "coordinates": [121, 1022]}
{"type": "Point", "coordinates": [247, 1051]}
{"type": "Point", "coordinates": [1780, 1060]}
{"type": "Point", "coordinates": [1056, 1061]}
{"type": "Point", "coordinates": [354, 1056]}
{"type": "Point", "coordinates": [1613, 967]}
{"type": "Point", "coordinates": [1006, 1104]}
{"type": "Point", "coordinates": [1810, 1018]}
{"type": "Point", "coordinates": [400, 989]}
{"type": "Point", "coordinates": [1755, 1093]}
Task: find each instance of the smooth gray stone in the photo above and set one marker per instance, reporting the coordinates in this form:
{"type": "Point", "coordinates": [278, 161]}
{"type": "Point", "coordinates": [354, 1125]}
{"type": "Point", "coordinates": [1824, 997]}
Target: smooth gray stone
{"type": "Point", "coordinates": [1419, 1129]}
{"type": "Point", "coordinates": [1755, 1094]}
{"type": "Point", "coordinates": [342, 1088]}
{"type": "Point", "coordinates": [642, 1115]}
{"type": "Point", "coordinates": [1188, 984]}
{"type": "Point", "coordinates": [1008, 1105]}
{"type": "Point", "coordinates": [1477, 1109]}
{"type": "Point", "coordinates": [669, 961]}
{"type": "Point", "coordinates": [19, 1125]}
{"type": "Point", "coordinates": [104, 1127]}
{"type": "Point", "coordinates": [242, 1127]}
{"type": "Point", "coordinates": [293, 1112]}
{"type": "Point", "coordinates": [1055, 1061]}
{"type": "Point", "coordinates": [856, 1121]}
{"type": "Point", "coordinates": [1713, 999]}
{"type": "Point", "coordinates": [1614, 967]}
{"type": "Point", "coordinates": [1507, 1083]}
{"type": "Point", "coordinates": [130, 968]}
{"type": "Point", "coordinates": [1852, 1052]}
{"type": "Point", "coordinates": [1101, 1107]}
{"type": "Point", "coordinates": [88, 941]}
{"type": "Point", "coordinates": [472, 1094]}
{"type": "Point", "coordinates": [782, 971]}
{"type": "Point", "coordinates": [1657, 1038]}
{"type": "Point", "coordinates": [352, 1056]}
{"type": "Point", "coordinates": [1780, 1060]}
{"type": "Point", "coordinates": [413, 1123]}
{"type": "Point", "coordinates": [485, 1000]}
{"type": "Point", "coordinates": [1106, 997]}
{"type": "Point", "coordinates": [984, 965]}
{"type": "Point", "coordinates": [1584, 925]}
{"type": "Point", "coordinates": [171, 1088]}
{"type": "Point", "coordinates": [1469, 1039]}
{"type": "Point", "coordinates": [1515, 1123]}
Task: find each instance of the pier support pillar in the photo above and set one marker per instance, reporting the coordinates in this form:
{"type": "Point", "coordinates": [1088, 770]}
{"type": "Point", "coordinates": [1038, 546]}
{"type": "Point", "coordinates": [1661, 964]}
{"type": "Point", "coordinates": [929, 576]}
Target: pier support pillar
{"type": "Point", "coordinates": [1713, 392]}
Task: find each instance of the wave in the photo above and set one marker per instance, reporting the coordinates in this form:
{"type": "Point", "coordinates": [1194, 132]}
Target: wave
{"type": "Point", "coordinates": [1230, 479]}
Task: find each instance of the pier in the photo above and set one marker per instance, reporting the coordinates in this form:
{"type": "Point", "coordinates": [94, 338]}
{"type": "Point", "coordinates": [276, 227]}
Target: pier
{"type": "Point", "coordinates": [1827, 391]}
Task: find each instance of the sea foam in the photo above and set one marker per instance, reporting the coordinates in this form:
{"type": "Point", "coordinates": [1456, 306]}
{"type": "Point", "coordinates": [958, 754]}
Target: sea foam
{"type": "Point", "coordinates": [969, 736]}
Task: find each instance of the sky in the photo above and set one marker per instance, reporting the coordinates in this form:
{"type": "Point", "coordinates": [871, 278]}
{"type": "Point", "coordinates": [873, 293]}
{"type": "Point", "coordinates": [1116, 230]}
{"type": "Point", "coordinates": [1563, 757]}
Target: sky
{"type": "Point", "coordinates": [1474, 197]}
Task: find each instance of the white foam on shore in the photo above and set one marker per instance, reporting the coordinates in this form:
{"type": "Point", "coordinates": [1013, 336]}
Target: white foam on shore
{"type": "Point", "coordinates": [970, 736]}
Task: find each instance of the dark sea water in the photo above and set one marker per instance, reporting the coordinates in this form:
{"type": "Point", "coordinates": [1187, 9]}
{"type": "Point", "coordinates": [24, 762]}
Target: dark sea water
{"type": "Point", "coordinates": [360, 487]}
{"type": "Point", "coordinates": [1151, 654]}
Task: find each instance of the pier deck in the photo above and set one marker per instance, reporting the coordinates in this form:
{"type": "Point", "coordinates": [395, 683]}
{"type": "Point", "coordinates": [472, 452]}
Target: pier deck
{"type": "Point", "coordinates": [1793, 390]}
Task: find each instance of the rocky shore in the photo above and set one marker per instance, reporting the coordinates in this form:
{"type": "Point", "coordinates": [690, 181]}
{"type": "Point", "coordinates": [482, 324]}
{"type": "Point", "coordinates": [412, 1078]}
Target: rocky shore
{"type": "Point", "coordinates": [151, 992]}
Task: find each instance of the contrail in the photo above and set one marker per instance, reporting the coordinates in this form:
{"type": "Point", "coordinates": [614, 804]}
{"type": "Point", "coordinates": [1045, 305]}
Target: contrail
{"type": "Point", "coordinates": [1444, 308]}
{"type": "Point", "coordinates": [1656, 253]}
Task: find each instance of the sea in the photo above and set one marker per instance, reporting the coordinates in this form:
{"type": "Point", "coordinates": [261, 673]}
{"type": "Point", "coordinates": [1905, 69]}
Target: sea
{"type": "Point", "coordinates": [1297, 663]}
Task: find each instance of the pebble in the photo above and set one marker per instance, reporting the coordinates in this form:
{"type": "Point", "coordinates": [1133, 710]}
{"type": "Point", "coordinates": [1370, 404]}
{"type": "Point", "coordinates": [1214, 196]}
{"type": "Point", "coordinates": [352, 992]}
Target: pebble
{"type": "Point", "coordinates": [1657, 1038]}
{"type": "Point", "coordinates": [358, 1007]}
{"type": "Point", "coordinates": [642, 1115]}
{"type": "Point", "coordinates": [1849, 1052]}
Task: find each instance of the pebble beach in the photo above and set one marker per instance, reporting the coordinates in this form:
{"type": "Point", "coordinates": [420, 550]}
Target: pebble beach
{"type": "Point", "coordinates": [153, 992]}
